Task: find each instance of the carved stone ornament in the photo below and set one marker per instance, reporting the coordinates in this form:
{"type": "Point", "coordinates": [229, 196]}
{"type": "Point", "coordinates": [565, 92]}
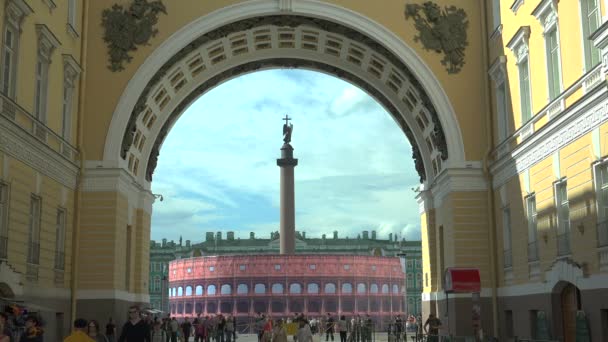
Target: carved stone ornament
{"type": "Point", "coordinates": [125, 29]}
{"type": "Point", "coordinates": [443, 31]}
{"type": "Point", "coordinates": [438, 136]}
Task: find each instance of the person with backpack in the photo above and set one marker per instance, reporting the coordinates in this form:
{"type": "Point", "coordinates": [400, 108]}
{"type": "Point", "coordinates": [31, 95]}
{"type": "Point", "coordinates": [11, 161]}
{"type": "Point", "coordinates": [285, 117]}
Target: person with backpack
{"type": "Point", "coordinates": [200, 330]}
{"type": "Point", "coordinates": [229, 328]}
{"type": "Point", "coordinates": [158, 334]}
{"type": "Point", "coordinates": [174, 328]}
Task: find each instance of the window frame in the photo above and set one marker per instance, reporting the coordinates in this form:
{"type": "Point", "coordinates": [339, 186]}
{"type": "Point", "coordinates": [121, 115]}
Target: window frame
{"type": "Point", "coordinates": [532, 218]}
{"type": "Point", "coordinates": [507, 236]}
{"type": "Point", "coordinates": [60, 234]}
{"type": "Point", "coordinates": [35, 220]}
{"type": "Point", "coordinates": [589, 50]}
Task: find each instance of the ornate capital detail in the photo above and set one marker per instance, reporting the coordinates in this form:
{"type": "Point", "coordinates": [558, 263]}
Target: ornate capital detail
{"type": "Point", "coordinates": [498, 70]}
{"type": "Point", "coordinates": [47, 42]}
{"type": "Point", "coordinates": [519, 43]}
{"type": "Point", "coordinates": [125, 29]}
{"type": "Point", "coordinates": [16, 10]}
{"type": "Point", "coordinates": [443, 31]}
{"type": "Point", "coordinates": [71, 70]}
{"type": "Point", "coordinates": [546, 13]}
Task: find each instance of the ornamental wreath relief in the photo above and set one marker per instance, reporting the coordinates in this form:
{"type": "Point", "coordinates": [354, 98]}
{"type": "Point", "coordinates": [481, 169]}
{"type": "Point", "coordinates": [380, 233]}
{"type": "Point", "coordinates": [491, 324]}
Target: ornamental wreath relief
{"type": "Point", "coordinates": [443, 31]}
{"type": "Point", "coordinates": [125, 29]}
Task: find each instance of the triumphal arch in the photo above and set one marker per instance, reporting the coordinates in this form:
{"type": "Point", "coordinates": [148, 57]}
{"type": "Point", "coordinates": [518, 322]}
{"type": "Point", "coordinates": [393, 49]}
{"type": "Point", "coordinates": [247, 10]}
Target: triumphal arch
{"type": "Point", "coordinates": [90, 89]}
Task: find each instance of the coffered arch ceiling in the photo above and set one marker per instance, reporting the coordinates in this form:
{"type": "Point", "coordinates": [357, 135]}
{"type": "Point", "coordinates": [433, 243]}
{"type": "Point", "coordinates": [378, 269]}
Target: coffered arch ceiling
{"type": "Point", "coordinates": [283, 41]}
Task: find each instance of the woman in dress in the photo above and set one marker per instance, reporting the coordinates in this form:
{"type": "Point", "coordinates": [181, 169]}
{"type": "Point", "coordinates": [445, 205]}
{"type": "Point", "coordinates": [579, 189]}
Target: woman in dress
{"type": "Point", "coordinates": [94, 333]}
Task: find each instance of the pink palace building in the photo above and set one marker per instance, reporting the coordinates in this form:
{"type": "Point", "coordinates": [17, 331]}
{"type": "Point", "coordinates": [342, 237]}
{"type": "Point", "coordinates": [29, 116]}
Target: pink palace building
{"type": "Point", "coordinates": [281, 285]}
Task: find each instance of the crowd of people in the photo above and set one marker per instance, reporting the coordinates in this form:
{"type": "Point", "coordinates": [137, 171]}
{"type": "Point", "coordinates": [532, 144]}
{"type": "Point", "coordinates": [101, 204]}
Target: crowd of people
{"type": "Point", "coordinates": [220, 328]}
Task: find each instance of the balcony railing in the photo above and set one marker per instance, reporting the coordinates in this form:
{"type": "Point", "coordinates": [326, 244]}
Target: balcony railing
{"type": "Point", "coordinates": [507, 258]}
{"type": "Point", "coordinates": [33, 253]}
{"type": "Point", "coordinates": [602, 234]}
{"type": "Point", "coordinates": [563, 244]}
{"type": "Point", "coordinates": [59, 260]}
{"type": "Point", "coordinates": [36, 128]}
{"type": "Point", "coordinates": [533, 251]}
{"type": "Point", "coordinates": [3, 247]}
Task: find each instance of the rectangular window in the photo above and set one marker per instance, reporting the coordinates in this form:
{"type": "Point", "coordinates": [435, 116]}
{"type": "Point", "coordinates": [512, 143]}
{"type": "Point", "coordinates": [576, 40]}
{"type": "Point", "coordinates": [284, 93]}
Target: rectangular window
{"type": "Point", "coordinates": [553, 65]}
{"type": "Point", "coordinates": [591, 21]}
{"type": "Point", "coordinates": [509, 323]}
{"type": "Point", "coordinates": [3, 220]}
{"type": "Point", "coordinates": [72, 13]}
{"type": "Point", "coordinates": [496, 13]}
{"type": "Point", "coordinates": [41, 84]}
{"type": "Point", "coordinates": [532, 228]}
{"type": "Point", "coordinates": [506, 237]}
{"type": "Point", "coordinates": [601, 192]}
{"type": "Point", "coordinates": [60, 240]}
{"type": "Point", "coordinates": [242, 267]}
{"type": "Point", "coordinates": [563, 218]}
{"type": "Point", "coordinates": [33, 253]}
{"type": "Point", "coordinates": [9, 61]}
{"type": "Point", "coordinates": [533, 325]}
{"type": "Point", "coordinates": [66, 113]}
{"type": "Point", "coordinates": [501, 110]}
{"type": "Point", "coordinates": [524, 90]}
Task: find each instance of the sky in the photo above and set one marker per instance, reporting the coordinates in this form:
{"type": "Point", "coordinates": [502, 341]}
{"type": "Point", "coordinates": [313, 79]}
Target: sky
{"type": "Point", "coordinates": [217, 167]}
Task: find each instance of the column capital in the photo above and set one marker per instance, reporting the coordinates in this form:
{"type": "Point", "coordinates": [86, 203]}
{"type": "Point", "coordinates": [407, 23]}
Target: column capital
{"type": "Point", "coordinates": [458, 179]}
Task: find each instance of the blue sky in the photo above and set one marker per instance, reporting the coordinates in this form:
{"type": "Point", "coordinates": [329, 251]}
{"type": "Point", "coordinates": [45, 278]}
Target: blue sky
{"type": "Point", "coordinates": [217, 167]}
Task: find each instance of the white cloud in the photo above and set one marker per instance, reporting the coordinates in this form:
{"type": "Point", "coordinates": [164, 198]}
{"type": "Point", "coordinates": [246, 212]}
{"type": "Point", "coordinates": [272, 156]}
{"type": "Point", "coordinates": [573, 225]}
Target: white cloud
{"type": "Point", "coordinates": [355, 169]}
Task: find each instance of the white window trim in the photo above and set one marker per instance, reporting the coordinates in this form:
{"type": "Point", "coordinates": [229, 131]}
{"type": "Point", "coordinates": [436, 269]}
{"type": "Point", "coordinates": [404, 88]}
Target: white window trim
{"type": "Point", "coordinates": [583, 21]}
{"type": "Point", "coordinates": [60, 237]}
{"type": "Point", "coordinates": [71, 72]}
{"type": "Point", "coordinates": [47, 43]}
{"type": "Point", "coordinates": [34, 228]}
{"type": "Point", "coordinates": [546, 14]}
{"type": "Point", "coordinates": [14, 13]}
{"type": "Point", "coordinates": [519, 47]}
{"type": "Point", "coordinates": [516, 5]}
{"type": "Point", "coordinates": [72, 18]}
{"type": "Point", "coordinates": [558, 205]}
{"type": "Point", "coordinates": [597, 182]}
{"type": "Point", "coordinates": [532, 234]}
{"type": "Point", "coordinates": [498, 73]}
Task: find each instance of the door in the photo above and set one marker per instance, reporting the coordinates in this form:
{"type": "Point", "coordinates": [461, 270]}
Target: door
{"type": "Point", "coordinates": [569, 307]}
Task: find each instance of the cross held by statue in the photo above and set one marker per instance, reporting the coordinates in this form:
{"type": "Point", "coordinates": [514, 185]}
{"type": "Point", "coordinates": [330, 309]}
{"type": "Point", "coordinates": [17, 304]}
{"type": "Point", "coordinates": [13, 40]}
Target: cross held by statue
{"type": "Point", "coordinates": [286, 118]}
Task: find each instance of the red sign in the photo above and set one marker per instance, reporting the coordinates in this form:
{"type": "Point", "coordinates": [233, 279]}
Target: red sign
{"type": "Point", "coordinates": [462, 280]}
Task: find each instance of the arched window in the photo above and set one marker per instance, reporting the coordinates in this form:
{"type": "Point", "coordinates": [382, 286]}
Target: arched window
{"type": "Point", "coordinates": [347, 288]}
{"type": "Point", "coordinates": [173, 294]}
{"type": "Point", "coordinates": [157, 283]}
{"type": "Point", "coordinates": [312, 288]}
{"type": "Point", "coordinates": [395, 289]}
{"type": "Point", "coordinates": [373, 288]}
{"type": "Point", "coordinates": [211, 290]}
{"type": "Point", "coordinates": [180, 291]}
{"type": "Point", "coordinates": [188, 290]}
{"type": "Point", "coordinates": [242, 289]}
{"type": "Point", "coordinates": [259, 288]}
{"type": "Point", "coordinates": [330, 288]}
{"type": "Point", "coordinates": [277, 288]}
{"type": "Point", "coordinates": [198, 290]}
{"type": "Point", "coordinates": [384, 288]}
{"type": "Point", "coordinates": [226, 289]}
{"type": "Point", "coordinates": [295, 288]}
{"type": "Point", "coordinates": [361, 288]}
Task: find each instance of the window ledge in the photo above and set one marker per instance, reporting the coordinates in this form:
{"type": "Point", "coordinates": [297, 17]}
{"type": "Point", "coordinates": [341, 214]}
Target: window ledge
{"type": "Point", "coordinates": [50, 3]}
{"type": "Point", "coordinates": [496, 33]}
{"type": "Point", "coordinates": [72, 31]}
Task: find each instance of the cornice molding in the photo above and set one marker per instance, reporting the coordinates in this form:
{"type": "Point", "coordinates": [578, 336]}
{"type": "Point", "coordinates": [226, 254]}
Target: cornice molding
{"type": "Point", "coordinates": [498, 70]}
{"type": "Point", "coordinates": [546, 14]}
{"type": "Point", "coordinates": [118, 180]}
{"type": "Point", "coordinates": [71, 69]}
{"type": "Point", "coordinates": [516, 5]}
{"type": "Point", "coordinates": [50, 4]}
{"type": "Point", "coordinates": [47, 42]}
{"type": "Point", "coordinates": [22, 146]}
{"type": "Point", "coordinates": [16, 10]}
{"type": "Point", "coordinates": [579, 119]}
{"type": "Point", "coordinates": [458, 180]}
{"type": "Point", "coordinates": [519, 43]}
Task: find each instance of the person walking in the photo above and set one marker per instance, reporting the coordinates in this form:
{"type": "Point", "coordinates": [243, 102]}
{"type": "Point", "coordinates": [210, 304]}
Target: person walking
{"type": "Point", "coordinates": [135, 329]}
{"type": "Point", "coordinates": [158, 334]}
{"type": "Point", "coordinates": [79, 333]}
{"type": "Point", "coordinates": [279, 333]}
{"type": "Point", "coordinates": [329, 327]}
{"type": "Point", "coordinates": [94, 333]}
{"type": "Point", "coordinates": [111, 331]}
{"type": "Point", "coordinates": [174, 327]}
{"type": "Point", "coordinates": [342, 330]}
{"type": "Point", "coordinates": [229, 328]}
{"type": "Point", "coordinates": [431, 328]}
{"type": "Point", "coordinates": [304, 334]}
{"type": "Point", "coordinates": [200, 331]}
{"type": "Point", "coordinates": [186, 329]}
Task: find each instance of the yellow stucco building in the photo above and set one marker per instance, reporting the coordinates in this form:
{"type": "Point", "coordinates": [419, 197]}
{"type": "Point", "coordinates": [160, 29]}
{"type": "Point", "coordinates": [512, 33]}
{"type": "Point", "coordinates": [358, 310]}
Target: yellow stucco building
{"type": "Point", "coordinates": [505, 104]}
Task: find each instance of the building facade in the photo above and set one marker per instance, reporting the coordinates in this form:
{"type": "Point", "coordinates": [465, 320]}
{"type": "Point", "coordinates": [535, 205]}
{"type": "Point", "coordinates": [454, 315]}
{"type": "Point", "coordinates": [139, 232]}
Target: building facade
{"type": "Point", "coordinates": [283, 285]}
{"type": "Point", "coordinates": [215, 244]}
{"type": "Point", "coordinates": [550, 102]}
{"type": "Point", "coordinates": [511, 166]}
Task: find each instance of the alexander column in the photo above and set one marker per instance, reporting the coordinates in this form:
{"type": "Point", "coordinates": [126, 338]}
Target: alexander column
{"type": "Point", "coordinates": [287, 163]}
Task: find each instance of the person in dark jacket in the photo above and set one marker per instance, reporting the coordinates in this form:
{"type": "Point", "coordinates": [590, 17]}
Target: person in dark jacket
{"type": "Point", "coordinates": [135, 330]}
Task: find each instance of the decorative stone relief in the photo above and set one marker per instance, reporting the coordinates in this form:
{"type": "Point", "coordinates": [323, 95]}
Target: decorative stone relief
{"type": "Point", "coordinates": [281, 21]}
{"type": "Point", "coordinates": [443, 31]}
{"type": "Point", "coordinates": [125, 29]}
